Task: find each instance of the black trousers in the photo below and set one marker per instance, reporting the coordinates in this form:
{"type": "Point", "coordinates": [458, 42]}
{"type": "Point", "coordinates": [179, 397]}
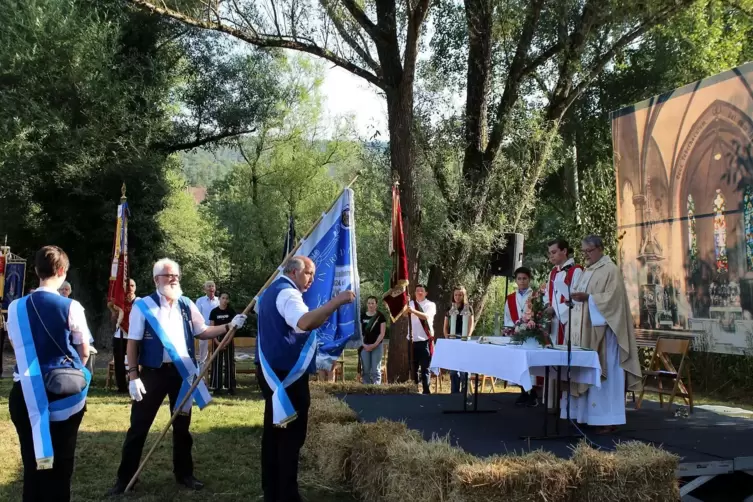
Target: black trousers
{"type": "Point", "coordinates": [281, 447]}
{"type": "Point", "coordinates": [118, 355]}
{"type": "Point", "coordinates": [422, 359]}
{"type": "Point", "coordinates": [158, 383]}
{"type": "Point", "coordinates": [223, 368]}
{"type": "Point", "coordinates": [49, 485]}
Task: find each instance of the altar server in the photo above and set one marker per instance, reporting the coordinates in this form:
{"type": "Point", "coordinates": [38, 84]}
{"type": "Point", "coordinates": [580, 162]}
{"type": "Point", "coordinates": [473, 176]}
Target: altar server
{"type": "Point", "coordinates": [564, 275]}
{"type": "Point", "coordinates": [515, 307]}
{"type": "Point", "coordinates": [48, 399]}
{"type": "Point", "coordinates": [163, 326]}
{"type": "Point", "coordinates": [602, 321]}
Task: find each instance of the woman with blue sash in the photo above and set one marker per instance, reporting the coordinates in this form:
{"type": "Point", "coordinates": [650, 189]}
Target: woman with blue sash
{"type": "Point", "coordinates": [48, 399]}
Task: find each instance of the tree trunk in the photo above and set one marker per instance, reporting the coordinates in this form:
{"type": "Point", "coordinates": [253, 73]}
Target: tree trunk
{"type": "Point", "coordinates": [400, 121]}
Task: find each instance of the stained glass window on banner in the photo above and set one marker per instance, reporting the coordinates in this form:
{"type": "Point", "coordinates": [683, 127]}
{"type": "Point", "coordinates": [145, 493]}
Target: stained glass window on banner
{"type": "Point", "coordinates": [748, 222]}
{"type": "Point", "coordinates": [720, 233]}
{"type": "Point", "coordinates": [692, 240]}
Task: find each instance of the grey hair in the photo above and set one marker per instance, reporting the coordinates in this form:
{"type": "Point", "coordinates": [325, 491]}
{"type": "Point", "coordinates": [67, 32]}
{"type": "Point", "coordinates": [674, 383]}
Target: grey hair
{"type": "Point", "coordinates": [209, 283]}
{"type": "Point", "coordinates": [66, 283]}
{"type": "Point", "coordinates": [595, 241]}
{"type": "Point", "coordinates": [161, 264]}
{"type": "Point", "coordinates": [293, 264]}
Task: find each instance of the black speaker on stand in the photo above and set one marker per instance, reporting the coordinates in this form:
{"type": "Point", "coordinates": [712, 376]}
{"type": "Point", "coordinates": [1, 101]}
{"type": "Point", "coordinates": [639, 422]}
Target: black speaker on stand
{"type": "Point", "coordinates": [506, 260]}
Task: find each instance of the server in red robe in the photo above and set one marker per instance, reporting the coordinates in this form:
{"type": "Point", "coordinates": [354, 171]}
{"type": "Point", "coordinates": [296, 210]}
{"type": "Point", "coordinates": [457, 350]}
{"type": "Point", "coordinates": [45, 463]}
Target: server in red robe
{"type": "Point", "coordinates": [563, 275]}
{"type": "Point", "coordinates": [515, 307]}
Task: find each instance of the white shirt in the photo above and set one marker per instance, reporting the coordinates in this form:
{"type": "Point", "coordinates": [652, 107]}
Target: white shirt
{"type": "Point", "coordinates": [430, 310]}
{"type": "Point", "coordinates": [76, 323]}
{"type": "Point", "coordinates": [561, 310]}
{"type": "Point", "coordinates": [290, 305]}
{"type": "Point", "coordinates": [521, 298]}
{"type": "Point", "coordinates": [171, 320]}
{"type": "Point", "coordinates": [205, 306]}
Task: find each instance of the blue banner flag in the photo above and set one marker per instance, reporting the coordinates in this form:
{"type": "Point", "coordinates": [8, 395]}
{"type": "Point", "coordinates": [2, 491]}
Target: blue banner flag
{"type": "Point", "coordinates": [332, 248]}
{"type": "Point", "coordinates": [15, 273]}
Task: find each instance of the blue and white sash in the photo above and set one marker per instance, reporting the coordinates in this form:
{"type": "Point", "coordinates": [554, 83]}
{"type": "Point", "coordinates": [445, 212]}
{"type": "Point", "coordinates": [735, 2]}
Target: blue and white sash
{"type": "Point", "coordinates": [282, 409]}
{"type": "Point", "coordinates": [41, 411]}
{"type": "Point", "coordinates": [179, 355]}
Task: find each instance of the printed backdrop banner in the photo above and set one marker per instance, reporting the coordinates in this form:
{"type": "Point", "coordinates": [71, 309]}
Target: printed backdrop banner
{"type": "Point", "coordinates": [685, 210]}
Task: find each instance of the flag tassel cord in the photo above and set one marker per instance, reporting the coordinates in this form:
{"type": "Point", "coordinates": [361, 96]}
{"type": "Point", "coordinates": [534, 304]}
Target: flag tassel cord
{"type": "Point", "coordinates": [227, 339]}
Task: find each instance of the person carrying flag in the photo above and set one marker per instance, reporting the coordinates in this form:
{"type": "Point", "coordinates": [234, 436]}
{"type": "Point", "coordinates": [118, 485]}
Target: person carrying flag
{"type": "Point", "coordinates": [163, 326]}
{"type": "Point", "coordinates": [285, 351]}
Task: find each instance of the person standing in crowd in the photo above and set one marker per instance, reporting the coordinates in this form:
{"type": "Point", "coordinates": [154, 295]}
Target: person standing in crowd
{"type": "Point", "coordinates": [65, 290]}
{"type": "Point", "coordinates": [602, 322]}
{"type": "Point", "coordinates": [515, 307]}
{"type": "Point", "coordinates": [223, 370]}
{"type": "Point", "coordinates": [284, 326]}
{"type": "Point", "coordinates": [206, 304]}
{"type": "Point", "coordinates": [49, 334]}
{"type": "Point", "coordinates": [374, 327]}
{"type": "Point", "coordinates": [120, 338]}
{"type": "Point", "coordinates": [163, 326]}
{"type": "Point", "coordinates": [422, 313]}
{"type": "Point", "coordinates": [458, 379]}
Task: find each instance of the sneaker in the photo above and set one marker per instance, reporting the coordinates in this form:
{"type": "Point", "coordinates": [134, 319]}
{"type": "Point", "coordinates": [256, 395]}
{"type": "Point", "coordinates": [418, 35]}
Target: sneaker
{"type": "Point", "coordinates": [523, 398]}
{"type": "Point", "coordinates": [533, 399]}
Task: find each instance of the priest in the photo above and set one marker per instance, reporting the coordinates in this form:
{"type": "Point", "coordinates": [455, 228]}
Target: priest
{"type": "Point", "coordinates": [602, 322]}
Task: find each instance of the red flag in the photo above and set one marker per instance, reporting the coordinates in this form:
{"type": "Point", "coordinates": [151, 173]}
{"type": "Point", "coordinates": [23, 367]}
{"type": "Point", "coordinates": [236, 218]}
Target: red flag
{"type": "Point", "coordinates": [119, 268]}
{"type": "Point", "coordinates": [396, 298]}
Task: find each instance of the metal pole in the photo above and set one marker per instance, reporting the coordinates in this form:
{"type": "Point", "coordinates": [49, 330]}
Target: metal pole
{"type": "Point", "coordinates": [223, 344]}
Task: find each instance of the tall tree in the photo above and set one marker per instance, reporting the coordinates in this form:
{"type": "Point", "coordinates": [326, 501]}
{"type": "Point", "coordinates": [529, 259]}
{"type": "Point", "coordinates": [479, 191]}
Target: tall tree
{"type": "Point", "coordinates": [559, 44]}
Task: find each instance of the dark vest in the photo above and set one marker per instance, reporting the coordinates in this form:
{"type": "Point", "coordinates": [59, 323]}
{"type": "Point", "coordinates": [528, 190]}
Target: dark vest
{"type": "Point", "coordinates": [53, 310]}
{"type": "Point", "coordinates": [151, 350]}
{"type": "Point", "coordinates": [280, 343]}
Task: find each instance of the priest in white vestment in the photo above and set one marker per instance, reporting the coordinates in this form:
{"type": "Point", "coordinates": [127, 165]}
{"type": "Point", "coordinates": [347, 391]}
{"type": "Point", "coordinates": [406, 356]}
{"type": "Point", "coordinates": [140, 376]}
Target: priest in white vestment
{"type": "Point", "coordinates": [602, 321]}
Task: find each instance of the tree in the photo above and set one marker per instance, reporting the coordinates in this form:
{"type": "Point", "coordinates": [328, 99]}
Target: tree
{"type": "Point", "coordinates": [505, 45]}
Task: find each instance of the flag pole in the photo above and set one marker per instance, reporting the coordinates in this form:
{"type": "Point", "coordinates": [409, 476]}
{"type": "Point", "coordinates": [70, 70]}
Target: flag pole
{"type": "Point", "coordinates": [226, 340]}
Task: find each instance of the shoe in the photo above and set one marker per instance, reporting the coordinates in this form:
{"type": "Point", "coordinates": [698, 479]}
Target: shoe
{"type": "Point", "coordinates": [523, 399]}
{"type": "Point", "coordinates": [119, 488]}
{"type": "Point", "coordinates": [190, 482]}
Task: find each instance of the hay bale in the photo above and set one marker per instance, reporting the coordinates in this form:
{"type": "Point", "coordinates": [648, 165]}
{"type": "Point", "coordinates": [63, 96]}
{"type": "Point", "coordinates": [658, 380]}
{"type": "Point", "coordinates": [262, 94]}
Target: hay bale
{"type": "Point", "coordinates": [363, 389]}
{"type": "Point", "coordinates": [538, 475]}
{"type": "Point", "coordinates": [419, 470]}
{"type": "Point", "coordinates": [369, 458]}
{"type": "Point", "coordinates": [326, 454]}
{"type": "Point", "coordinates": [330, 410]}
{"type": "Point", "coordinates": [635, 471]}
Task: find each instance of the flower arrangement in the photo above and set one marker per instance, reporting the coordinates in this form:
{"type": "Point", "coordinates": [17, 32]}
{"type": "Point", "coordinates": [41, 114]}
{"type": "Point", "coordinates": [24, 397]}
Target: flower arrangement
{"type": "Point", "coordinates": [535, 322]}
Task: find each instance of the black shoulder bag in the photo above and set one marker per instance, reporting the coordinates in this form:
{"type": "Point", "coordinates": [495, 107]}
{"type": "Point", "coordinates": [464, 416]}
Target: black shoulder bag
{"type": "Point", "coordinates": [62, 381]}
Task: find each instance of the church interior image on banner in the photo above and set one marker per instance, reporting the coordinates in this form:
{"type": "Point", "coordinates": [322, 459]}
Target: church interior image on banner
{"type": "Point", "coordinates": [685, 209]}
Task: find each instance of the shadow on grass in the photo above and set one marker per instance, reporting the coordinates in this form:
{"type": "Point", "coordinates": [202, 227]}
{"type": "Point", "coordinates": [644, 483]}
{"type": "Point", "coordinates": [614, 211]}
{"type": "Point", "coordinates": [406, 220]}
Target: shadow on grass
{"type": "Point", "coordinates": [226, 459]}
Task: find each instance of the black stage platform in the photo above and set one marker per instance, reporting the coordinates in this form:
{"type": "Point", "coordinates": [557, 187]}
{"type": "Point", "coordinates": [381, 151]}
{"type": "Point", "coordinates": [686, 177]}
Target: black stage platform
{"type": "Point", "coordinates": [702, 440]}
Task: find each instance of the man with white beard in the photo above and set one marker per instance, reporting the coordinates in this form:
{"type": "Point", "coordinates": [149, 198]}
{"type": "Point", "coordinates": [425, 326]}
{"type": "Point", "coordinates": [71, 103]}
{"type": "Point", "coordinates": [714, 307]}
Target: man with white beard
{"type": "Point", "coordinates": [163, 326]}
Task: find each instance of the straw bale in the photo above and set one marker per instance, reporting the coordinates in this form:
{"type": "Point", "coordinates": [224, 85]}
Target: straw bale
{"type": "Point", "coordinates": [634, 472]}
{"type": "Point", "coordinates": [327, 453]}
{"type": "Point", "coordinates": [363, 389]}
{"type": "Point", "coordinates": [330, 410]}
{"type": "Point", "coordinates": [419, 470]}
{"type": "Point", "coordinates": [535, 476]}
{"type": "Point", "coordinates": [370, 457]}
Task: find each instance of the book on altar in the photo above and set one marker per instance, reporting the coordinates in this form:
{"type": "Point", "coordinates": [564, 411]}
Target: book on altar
{"type": "Point", "coordinates": [495, 340]}
{"type": "Point", "coordinates": [561, 287]}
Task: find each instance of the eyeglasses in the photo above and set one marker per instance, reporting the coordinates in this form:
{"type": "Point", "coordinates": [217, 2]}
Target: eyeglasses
{"type": "Point", "coordinates": [170, 276]}
{"type": "Point", "coordinates": [588, 251]}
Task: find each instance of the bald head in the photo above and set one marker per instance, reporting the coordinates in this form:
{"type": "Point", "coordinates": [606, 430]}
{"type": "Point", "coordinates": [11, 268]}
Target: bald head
{"type": "Point", "coordinates": [300, 269]}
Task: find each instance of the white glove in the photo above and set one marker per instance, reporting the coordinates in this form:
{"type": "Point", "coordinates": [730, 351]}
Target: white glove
{"type": "Point", "coordinates": [136, 389]}
{"type": "Point", "coordinates": [238, 321]}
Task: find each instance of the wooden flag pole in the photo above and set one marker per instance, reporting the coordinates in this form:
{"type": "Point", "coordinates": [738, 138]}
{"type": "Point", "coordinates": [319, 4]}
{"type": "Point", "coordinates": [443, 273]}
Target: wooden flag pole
{"type": "Point", "coordinates": [226, 341]}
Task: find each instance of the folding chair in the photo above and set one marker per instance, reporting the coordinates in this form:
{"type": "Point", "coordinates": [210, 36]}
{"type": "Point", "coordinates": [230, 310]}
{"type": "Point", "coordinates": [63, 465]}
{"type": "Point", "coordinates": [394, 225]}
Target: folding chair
{"type": "Point", "coordinates": [661, 371]}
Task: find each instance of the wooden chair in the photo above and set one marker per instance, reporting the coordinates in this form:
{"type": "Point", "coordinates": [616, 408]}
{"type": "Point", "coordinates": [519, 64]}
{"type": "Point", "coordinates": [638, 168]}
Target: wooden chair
{"type": "Point", "coordinates": [245, 343]}
{"type": "Point", "coordinates": [482, 382]}
{"type": "Point", "coordinates": [340, 369]}
{"type": "Point", "coordinates": [384, 365]}
{"type": "Point", "coordinates": [661, 370]}
{"type": "Point", "coordinates": [437, 380]}
{"type": "Point", "coordinates": [110, 374]}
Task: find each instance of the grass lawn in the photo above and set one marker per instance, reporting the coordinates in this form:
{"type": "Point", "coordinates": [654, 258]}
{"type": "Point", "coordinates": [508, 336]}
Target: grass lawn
{"type": "Point", "coordinates": [227, 441]}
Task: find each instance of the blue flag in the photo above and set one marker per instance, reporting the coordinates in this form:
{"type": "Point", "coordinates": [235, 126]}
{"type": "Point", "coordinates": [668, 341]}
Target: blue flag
{"type": "Point", "coordinates": [332, 248]}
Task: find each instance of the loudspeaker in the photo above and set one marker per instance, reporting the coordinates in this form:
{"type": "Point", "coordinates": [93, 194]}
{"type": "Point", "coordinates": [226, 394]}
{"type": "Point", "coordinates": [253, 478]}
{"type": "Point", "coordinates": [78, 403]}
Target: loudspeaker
{"type": "Point", "coordinates": [505, 261]}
